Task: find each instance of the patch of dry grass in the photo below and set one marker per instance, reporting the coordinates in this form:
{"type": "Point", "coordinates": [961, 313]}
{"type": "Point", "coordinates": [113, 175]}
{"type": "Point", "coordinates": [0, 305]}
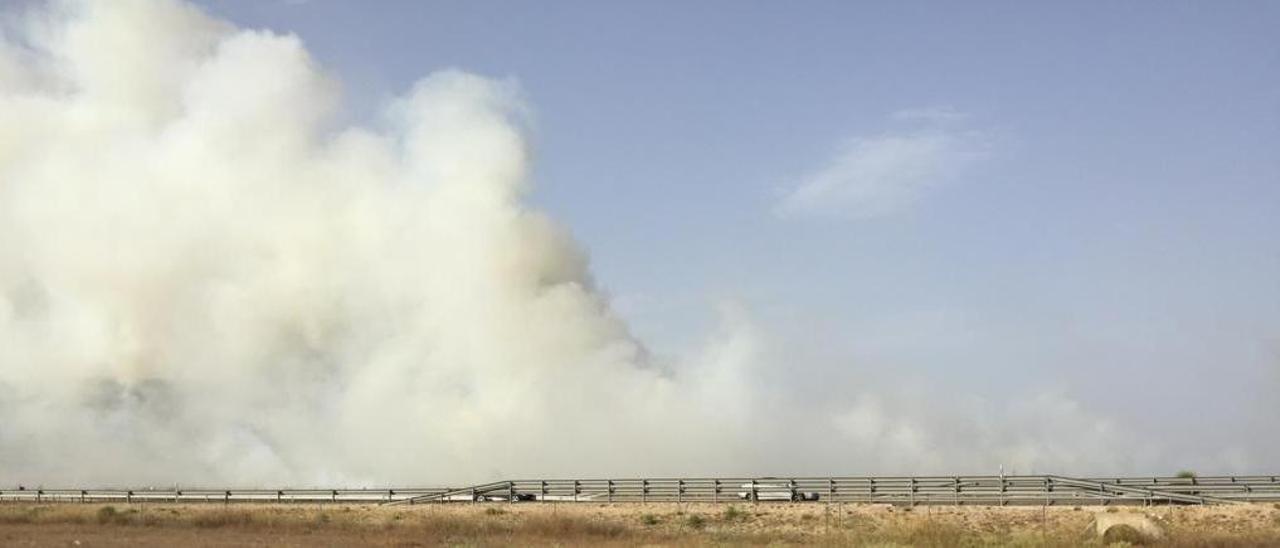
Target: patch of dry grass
{"type": "Point", "coordinates": [613, 525]}
{"type": "Point", "coordinates": [228, 518]}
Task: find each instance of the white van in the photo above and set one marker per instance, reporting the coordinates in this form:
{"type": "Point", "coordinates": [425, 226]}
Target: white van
{"type": "Point", "coordinates": [774, 491]}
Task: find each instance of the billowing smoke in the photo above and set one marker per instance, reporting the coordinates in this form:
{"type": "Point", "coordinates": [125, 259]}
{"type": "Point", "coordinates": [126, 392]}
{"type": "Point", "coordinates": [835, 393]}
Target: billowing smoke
{"type": "Point", "coordinates": [205, 278]}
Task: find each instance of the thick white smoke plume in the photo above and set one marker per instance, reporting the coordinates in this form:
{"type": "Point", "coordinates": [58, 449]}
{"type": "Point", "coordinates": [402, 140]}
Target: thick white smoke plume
{"type": "Point", "coordinates": [203, 279]}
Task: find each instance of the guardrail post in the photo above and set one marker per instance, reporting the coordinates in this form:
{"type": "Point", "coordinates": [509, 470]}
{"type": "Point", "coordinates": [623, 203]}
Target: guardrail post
{"type": "Point", "coordinates": [715, 493]}
{"type": "Point", "coordinates": [128, 497]}
{"type": "Point", "coordinates": [39, 495]}
{"type": "Point", "coordinates": [831, 490]}
{"type": "Point", "coordinates": [543, 498]}
{"type": "Point", "coordinates": [226, 497]}
{"type": "Point", "coordinates": [577, 488]}
{"type": "Point", "coordinates": [610, 490]}
{"type": "Point", "coordinates": [279, 496]}
{"type": "Point", "coordinates": [957, 495]}
{"type": "Point", "coordinates": [82, 495]}
{"type": "Point", "coordinates": [679, 491]}
{"type": "Point", "coordinates": [911, 495]}
{"type": "Point", "coordinates": [755, 494]}
{"type": "Point", "coordinates": [644, 490]}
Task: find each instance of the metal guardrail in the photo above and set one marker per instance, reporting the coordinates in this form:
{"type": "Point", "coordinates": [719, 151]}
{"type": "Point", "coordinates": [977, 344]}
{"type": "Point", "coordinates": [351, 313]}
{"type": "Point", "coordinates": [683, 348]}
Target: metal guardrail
{"type": "Point", "coordinates": [904, 490]}
{"type": "Point", "coordinates": [1147, 492]}
{"type": "Point", "coordinates": [214, 495]}
{"type": "Point", "coordinates": [1238, 488]}
{"type": "Point", "coordinates": [984, 490]}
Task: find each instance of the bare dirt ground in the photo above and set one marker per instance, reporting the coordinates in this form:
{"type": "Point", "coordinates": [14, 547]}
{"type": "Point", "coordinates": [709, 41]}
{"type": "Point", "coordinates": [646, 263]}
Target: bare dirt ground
{"type": "Point", "coordinates": [584, 524]}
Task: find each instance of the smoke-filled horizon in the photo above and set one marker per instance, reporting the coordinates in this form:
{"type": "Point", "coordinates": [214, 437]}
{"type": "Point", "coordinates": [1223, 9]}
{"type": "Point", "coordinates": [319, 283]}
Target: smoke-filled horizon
{"type": "Point", "coordinates": [207, 277]}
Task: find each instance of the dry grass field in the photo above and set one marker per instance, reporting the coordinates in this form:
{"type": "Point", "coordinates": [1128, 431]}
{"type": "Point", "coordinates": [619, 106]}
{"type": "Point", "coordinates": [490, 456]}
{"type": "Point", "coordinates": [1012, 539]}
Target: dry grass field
{"type": "Point", "coordinates": [582, 524]}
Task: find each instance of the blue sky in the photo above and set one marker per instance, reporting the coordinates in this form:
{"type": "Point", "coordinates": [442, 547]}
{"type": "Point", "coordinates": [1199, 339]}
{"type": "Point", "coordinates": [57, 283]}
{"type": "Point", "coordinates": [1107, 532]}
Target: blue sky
{"type": "Point", "coordinates": [1001, 195]}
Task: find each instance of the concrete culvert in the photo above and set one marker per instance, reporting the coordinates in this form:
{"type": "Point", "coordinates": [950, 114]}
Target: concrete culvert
{"type": "Point", "coordinates": [1123, 534]}
{"type": "Point", "coordinates": [1134, 529]}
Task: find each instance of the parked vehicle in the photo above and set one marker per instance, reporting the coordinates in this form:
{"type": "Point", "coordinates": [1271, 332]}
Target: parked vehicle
{"type": "Point", "coordinates": [492, 496]}
{"type": "Point", "coordinates": [774, 491]}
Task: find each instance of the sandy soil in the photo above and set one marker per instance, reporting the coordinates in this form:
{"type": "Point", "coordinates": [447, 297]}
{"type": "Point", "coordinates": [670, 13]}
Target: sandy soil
{"type": "Point", "coordinates": [582, 524]}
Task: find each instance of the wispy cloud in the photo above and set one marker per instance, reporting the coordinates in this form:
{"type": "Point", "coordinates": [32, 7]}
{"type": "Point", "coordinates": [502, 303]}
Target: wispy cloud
{"type": "Point", "coordinates": [940, 114]}
{"type": "Point", "coordinates": [883, 174]}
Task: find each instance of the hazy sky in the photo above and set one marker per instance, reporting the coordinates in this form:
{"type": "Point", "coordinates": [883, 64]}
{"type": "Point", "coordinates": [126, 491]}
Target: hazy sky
{"type": "Point", "coordinates": [999, 196]}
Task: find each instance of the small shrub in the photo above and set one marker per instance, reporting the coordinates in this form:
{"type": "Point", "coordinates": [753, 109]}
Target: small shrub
{"type": "Point", "coordinates": [1188, 474]}
{"type": "Point", "coordinates": [494, 511]}
{"type": "Point", "coordinates": [16, 518]}
{"type": "Point", "coordinates": [225, 518]}
{"type": "Point", "coordinates": [107, 514]}
{"type": "Point", "coordinates": [648, 519]}
{"type": "Point", "coordinates": [695, 521]}
{"type": "Point", "coordinates": [733, 514]}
